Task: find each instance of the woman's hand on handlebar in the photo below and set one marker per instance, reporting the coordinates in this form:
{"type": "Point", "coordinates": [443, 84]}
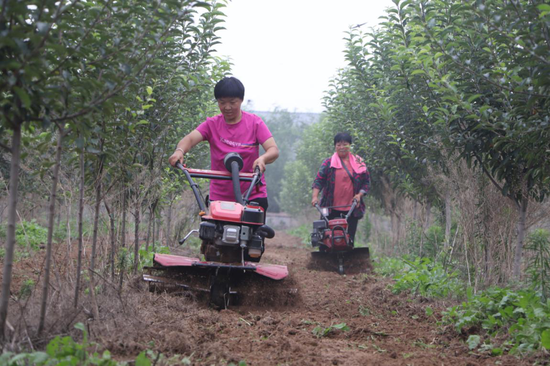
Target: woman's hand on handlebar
{"type": "Point", "coordinates": [260, 163]}
{"type": "Point", "coordinates": [357, 197]}
{"type": "Point", "coordinates": [314, 201]}
{"type": "Point", "coordinates": [176, 156]}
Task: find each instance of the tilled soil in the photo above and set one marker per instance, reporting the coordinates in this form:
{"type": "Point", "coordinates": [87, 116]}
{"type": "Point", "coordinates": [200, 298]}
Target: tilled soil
{"type": "Point", "coordinates": [381, 328]}
{"type": "Point", "coordinates": [317, 318]}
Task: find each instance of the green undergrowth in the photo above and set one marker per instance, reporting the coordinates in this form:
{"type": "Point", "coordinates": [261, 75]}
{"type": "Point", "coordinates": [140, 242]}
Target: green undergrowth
{"type": "Point", "coordinates": [522, 316]}
{"type": "Point", "coordinates": [30, 236]}
{"type": "Point", "coordinates": [421, 276]}
{"type": "Point", "coordinates": [126, 256]}
{"type": "Point", "coordinates": [65, 351]}
{"type": "Point", "coordinates": [303, 232]}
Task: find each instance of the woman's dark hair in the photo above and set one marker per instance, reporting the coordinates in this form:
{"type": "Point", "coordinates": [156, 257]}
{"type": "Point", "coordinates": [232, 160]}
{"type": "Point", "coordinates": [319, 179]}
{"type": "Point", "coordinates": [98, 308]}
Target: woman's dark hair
{"type": "Point", "coordinates": [229, 87]}
{"type": "Point", "coordinates": [342, 137]}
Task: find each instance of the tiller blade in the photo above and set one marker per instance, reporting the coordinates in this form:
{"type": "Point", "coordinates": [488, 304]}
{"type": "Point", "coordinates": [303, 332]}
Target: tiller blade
{"type": "Point", "coordinates": [352, 261]}
{"type": "Point", "coordinates": [222, 283]}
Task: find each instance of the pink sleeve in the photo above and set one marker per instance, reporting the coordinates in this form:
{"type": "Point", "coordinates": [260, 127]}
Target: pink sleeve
{"type": "Point", "coordinates": [204, 129]}
{"type": "Point", "coordinates": [262, 133]}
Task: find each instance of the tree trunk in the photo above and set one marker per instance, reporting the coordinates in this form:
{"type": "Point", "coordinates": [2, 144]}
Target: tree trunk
{"type": "Point", "coordinates": [394, 229]}
{"type": "Point", "coordinates": [80, 229]}
{"type": "Point", "coordinates": [428, 215]}
{"type": "Point", "coordinates": [168, 225]}
{"type": "Point", "coordinates": [154, 227]}
{"type": "Point", "coordinates": [152, 223]}
{"type": "Point", "coordinates": [522, 208]}
{"type": "Point", "coordinates": [136, 239]}
{"type": "Point", "coordinates": [10, 234]}
{"type": "Point", "coordinates": [448, 218]}
{"type": "Point", "coordinates": [97, 206]}
{"type": "Point", "coordinates": [67, 225]}
{"type": "Point", "coordinates": [159, 231]}
{"type": "Point", "coordinates": [51, 224]}
{"type": "Point", "coordinates": [112, 238]}
{"type": "Point", "coordinates": [123, 237]}
{"type": "Point", "coordinates": [149, 228]}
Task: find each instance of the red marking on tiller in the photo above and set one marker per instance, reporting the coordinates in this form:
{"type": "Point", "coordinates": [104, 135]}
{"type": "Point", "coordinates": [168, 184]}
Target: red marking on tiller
{"type": "Point", "coordinates": [226, 211]}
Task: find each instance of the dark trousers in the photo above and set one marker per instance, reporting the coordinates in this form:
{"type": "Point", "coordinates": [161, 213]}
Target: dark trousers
{"type": "Point", "coordinates": [352, 221]}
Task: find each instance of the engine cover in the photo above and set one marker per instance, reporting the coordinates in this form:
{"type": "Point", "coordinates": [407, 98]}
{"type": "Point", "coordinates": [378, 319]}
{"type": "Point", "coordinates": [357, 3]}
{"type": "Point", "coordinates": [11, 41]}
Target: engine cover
{"type": "Point", "coordinates": [225, 211]}
{"type": "Point", "coordinates": [253, 214]}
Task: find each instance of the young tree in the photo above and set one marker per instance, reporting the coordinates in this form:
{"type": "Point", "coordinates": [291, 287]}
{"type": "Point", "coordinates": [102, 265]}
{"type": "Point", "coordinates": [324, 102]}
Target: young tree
{"type": "Point", "coordinates": [62, 60]}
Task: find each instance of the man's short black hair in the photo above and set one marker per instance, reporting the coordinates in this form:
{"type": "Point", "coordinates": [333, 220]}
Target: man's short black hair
{"type": "Point", "coordinates": [342, 137]}
{"type": "Point", "coordinates": [229, 87]}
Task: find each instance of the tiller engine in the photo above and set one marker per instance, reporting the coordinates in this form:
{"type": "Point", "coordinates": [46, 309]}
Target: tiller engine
{"type": "Point", "coordinates": [334, 242]}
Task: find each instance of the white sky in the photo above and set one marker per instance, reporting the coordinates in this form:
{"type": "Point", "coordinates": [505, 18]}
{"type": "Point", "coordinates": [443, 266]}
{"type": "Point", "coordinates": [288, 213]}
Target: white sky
{"type": "Point", "coordinates": [286, 51]}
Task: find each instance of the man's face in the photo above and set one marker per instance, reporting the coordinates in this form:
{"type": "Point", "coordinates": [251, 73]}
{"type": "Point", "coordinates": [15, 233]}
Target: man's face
{"type": "Point", "coordinates": [230, 107]}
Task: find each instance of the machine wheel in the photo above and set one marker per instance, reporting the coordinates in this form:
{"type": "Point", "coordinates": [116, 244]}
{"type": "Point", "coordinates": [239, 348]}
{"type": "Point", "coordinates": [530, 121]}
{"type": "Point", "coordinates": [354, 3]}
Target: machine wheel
{"type": "Point", "coordinates": [220, 294]}
{"type": "Point", "coordinates": [340, 265]}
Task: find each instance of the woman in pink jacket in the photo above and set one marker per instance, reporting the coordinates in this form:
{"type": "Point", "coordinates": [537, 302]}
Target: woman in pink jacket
{"type": "Point", "coordinates": [342, 178]}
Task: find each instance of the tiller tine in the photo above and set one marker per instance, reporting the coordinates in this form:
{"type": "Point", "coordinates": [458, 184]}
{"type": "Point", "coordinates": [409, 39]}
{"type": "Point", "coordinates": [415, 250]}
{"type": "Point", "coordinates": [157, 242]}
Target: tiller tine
{"type": "Point", "coordinates": [352, 261]}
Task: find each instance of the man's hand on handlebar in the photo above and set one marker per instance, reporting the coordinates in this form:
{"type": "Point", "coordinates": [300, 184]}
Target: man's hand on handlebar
{"type": "Point", "coordinates": [357, 197]}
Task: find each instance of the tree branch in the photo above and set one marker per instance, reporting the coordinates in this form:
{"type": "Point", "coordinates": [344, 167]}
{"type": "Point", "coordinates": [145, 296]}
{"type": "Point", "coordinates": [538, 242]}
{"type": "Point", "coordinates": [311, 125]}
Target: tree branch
{"type": "Point", "coordinates": [5, 147]}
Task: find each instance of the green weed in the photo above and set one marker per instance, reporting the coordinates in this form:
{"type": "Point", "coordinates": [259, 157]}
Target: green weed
{"type": "Point", "coordinates": [26, 288]}
{"type": "Point", "coordinates": [389, 267]}
{"type": "Point", "coordinates": [126, 257]}
{"type": "Point", "coordinates": [66, 351]}
{"type": "Point", "coordinates": [421, 276]}
{"type": "Point", "coordinates": [364, 311]}
{"type": "Point", "coordinates": [303, 232]}
{"type": "Point", "coordinates": [522, 314]}
{"type": "Point", "coordinates": [429, 279]}
{"type": "Point", "coordinates": [320, 331]}
{"type": "Point", "coordinates": [241, 363]}
{"type": "Point", "coordinates": [30, 234]}
{"type": "Point", "coordinates": [538, 267]}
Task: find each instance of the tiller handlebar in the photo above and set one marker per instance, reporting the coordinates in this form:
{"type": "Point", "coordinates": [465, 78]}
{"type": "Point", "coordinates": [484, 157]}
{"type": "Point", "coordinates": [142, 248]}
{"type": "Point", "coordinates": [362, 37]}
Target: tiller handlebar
{"type": "Point", "coordinates": [325, 216]}
{"type": "Point", "coordinates": [233, 163]}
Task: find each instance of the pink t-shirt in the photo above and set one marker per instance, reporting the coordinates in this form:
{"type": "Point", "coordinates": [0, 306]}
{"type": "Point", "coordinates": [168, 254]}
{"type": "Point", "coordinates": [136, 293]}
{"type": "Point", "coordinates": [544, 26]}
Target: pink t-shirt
{"type": "Point", "coordinates": [244, 138]}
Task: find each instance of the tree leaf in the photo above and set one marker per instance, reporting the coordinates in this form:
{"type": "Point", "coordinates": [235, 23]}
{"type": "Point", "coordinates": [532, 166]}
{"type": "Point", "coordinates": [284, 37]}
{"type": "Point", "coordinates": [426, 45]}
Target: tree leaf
{"type": "Point", "coordinates": [142, 360]}
{"type": "Point", "coordinates": [473, 341]}
{"type": "Point", "coordinates": [545, 339]}
{"type": "Point", "coordinates": [23, 97]}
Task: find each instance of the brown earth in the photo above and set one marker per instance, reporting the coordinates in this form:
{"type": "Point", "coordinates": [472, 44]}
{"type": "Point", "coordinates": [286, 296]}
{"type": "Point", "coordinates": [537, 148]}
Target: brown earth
{"type": "Point", "coordinates": [382, 328]}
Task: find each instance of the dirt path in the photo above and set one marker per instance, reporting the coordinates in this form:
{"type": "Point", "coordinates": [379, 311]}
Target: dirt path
{"type": "Point", "coordinates": [381, 328]}
{"type": "Point", "coordinates": [384, 329]}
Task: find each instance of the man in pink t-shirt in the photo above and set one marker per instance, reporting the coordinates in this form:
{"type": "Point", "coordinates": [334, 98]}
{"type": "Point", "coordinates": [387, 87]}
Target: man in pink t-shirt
{"type": "Point", "coordinates": [232, 131]}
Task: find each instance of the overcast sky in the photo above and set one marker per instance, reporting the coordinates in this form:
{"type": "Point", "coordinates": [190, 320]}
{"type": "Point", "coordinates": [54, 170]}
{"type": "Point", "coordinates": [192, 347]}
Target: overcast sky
{"type": "Point", "coordinates": [286, 51]}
